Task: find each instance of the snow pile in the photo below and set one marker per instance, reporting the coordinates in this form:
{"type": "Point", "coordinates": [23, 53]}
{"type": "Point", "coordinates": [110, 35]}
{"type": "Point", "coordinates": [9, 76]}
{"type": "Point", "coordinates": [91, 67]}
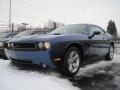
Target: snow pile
{"type": "Point", "coordinates": [13, 79]}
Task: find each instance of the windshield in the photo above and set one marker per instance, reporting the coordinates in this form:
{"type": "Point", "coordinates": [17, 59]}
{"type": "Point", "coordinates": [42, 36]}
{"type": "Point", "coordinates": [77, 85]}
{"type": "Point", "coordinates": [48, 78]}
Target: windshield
{"type": "Point", "coordinates": [78, 28]}
{"type": "Point", "coordinates": [39, 32]}
{"type": "Point", "coordinates": [24, 33]}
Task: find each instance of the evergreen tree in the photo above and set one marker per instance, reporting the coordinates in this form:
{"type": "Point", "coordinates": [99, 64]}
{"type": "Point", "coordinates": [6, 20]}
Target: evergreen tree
{"type": "Point", "coordinates": [112, 28]}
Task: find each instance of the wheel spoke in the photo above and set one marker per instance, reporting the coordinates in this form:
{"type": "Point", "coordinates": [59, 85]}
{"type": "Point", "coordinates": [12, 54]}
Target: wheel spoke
{"type": "Point", "coordinates": [70, 67]}
{"type": "Point", "coordinates": [73, 61]}
{"type": "Point", "coordinates": [76, 57]}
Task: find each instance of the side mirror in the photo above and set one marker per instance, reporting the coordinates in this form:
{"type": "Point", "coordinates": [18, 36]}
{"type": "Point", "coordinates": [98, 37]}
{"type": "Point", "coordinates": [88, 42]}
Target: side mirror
{"type": "Point", "coordinates": [95, 33]}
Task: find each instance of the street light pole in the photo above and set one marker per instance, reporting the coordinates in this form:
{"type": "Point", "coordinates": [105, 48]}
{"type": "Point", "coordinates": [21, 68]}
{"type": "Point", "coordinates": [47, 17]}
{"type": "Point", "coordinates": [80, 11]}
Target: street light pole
{"type": "Point", "coordinates": [10, 16]}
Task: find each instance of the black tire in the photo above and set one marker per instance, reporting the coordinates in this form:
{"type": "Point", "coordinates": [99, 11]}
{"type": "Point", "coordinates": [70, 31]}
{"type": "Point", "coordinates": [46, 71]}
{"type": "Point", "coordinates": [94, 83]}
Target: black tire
{"type": "Point", "coordinates": [13, 63]}
{"type": "Point", "coordinates": [65, 66]}
{"type": "Point", "coordinates": [108, 56]}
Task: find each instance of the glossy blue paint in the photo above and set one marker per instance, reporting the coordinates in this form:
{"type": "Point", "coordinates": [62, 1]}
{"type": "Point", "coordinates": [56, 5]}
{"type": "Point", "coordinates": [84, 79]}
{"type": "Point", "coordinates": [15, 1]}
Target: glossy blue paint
{"type": "Point", "coordinates": [36, 57]}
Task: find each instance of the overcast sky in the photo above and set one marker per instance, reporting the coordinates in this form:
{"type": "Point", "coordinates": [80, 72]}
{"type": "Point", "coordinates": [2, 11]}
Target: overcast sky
{"type": "Point", "coordinates": [37, 12]}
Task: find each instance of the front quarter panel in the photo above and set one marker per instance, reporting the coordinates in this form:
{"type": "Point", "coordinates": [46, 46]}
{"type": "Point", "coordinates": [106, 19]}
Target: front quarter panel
{"type": "Point", "coordinates": [60, 44]}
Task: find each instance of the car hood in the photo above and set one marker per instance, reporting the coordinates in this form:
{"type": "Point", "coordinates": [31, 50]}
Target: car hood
{"type": "Point", "coordinates": [34, 38]}
{"type": "Point", "coordinates": [4, 39]}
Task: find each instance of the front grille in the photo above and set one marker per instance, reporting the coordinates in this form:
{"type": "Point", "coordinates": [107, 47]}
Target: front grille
{"type": "Point", "coordinates": [24, 46]}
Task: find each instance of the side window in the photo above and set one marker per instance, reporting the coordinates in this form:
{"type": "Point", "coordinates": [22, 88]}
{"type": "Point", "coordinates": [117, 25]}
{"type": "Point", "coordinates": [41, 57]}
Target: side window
{"type": "Point", "coordinates": [95, 28]}
{"type": "Point", "coordinates": [10, 36]}
{"type": "Point", "coordinates": [35, 32]}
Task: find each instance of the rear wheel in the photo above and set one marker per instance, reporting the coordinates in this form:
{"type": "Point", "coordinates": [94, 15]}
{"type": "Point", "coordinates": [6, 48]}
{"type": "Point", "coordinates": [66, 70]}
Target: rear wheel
{"type": "Point", "coordinates": [110, 54]}
{"type": "Point", "coordinates": [71, 62]}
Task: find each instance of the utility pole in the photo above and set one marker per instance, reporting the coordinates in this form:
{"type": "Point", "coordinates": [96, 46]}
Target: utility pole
{"type": "Point", "coordinates": [10, 15]}
{"type": "Point", "coordinates": [12, 27]}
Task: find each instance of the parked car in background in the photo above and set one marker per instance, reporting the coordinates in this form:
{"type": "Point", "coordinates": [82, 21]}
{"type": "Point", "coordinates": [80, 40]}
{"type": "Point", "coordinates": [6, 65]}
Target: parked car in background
{"type": "Point", "coordinates": [4, 37]}
{"type": "Point", "coordinates": [67, 48]}
{"type": "Point", "coordinates": [30, 32]}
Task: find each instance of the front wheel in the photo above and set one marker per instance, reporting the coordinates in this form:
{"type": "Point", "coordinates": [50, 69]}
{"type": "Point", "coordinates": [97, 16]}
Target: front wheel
{"type": "Point", "coordinates": [110, 54]}
{"type": "Point", "coordinates": [71, 62]}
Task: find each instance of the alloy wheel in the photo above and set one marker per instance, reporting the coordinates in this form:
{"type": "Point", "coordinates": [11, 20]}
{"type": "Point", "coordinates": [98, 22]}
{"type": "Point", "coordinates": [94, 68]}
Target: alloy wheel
{"type": "Point", "coordinates": [73, 61]}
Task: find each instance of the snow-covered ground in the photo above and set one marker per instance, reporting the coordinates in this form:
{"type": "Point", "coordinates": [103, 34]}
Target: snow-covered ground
{"type": "Point", "coordinates": [13, 78]}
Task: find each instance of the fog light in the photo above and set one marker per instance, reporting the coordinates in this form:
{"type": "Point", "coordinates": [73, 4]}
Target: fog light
{"type": "Point", "coordinates": [10, 45]}
{"type": "Point", "coordinates": [40, 45]}
{"type": "Point", "coordinates": [44, 66]}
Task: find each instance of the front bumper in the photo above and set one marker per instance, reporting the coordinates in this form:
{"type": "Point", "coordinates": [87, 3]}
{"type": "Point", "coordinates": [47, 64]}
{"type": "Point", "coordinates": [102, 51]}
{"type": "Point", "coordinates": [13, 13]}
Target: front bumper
{"type": "Point", "coordinates": [34, 57]}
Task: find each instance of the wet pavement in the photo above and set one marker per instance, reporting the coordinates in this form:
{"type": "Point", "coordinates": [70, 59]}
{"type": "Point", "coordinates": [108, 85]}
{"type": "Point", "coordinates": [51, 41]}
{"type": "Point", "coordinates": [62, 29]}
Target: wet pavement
{"type": "Point", "coordinates": [108, 79]}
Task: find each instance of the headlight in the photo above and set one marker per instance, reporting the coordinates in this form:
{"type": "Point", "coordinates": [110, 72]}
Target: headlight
{"type": "Point", "coordinates": [10, 45]}
{"type": "Point", "coordinates": [44, 45]}
{"type": "Point", "coordinates": [1, 44]}
{"type": "Point", "coordinates": [40, 45]}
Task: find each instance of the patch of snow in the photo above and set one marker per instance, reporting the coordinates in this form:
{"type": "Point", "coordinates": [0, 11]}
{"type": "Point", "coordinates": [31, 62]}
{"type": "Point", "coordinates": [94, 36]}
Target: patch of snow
{"type": "Point", "coordinates": [13, 79]}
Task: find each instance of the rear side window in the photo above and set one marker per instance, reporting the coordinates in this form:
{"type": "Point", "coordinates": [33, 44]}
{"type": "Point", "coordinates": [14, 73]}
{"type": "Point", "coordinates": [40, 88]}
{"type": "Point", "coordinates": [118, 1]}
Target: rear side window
{"type": "Point", "coordinates": [95, 28]}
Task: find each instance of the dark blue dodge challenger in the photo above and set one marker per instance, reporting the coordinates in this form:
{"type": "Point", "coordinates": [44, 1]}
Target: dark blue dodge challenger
{"type": "Point", "coordinates": [66, 48]}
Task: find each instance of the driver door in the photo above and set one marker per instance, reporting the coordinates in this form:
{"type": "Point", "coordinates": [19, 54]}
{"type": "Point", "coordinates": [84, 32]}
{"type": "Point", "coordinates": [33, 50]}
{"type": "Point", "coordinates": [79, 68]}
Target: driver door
{"type": "Point", "coordinates": [97, 42]}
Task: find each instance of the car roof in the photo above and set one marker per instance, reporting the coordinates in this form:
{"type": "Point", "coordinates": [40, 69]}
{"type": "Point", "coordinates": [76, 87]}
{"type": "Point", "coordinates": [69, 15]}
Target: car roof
{"type": "Point", "coordinates": [85, 24]}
